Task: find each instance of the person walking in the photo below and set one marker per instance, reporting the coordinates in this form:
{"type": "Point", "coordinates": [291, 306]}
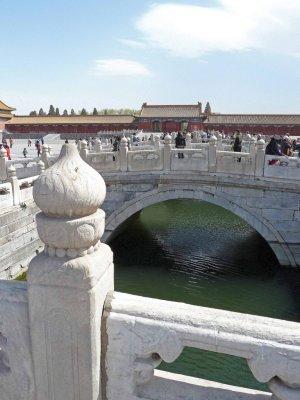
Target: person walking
{"type": "Point", "coordinates": [237, 144]}
{"type": "Point", "coordinates": [25, 152]}
{"type": "Point", "coordinates": [38, 148]}
{"type": "Point", "coordinates": [180, 143]}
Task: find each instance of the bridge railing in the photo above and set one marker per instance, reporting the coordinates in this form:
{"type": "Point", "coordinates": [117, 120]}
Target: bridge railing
{"type": "Point", "coordinates": [66, 334]}
{"type": "Point", "coordinates": [143, 332]}
{"type": "Point", "coordinates": [213, 157]}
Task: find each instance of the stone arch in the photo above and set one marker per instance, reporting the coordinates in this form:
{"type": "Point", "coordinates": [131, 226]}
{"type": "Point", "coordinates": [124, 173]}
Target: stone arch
{"type": "Point", "coordinates": [256, 221]}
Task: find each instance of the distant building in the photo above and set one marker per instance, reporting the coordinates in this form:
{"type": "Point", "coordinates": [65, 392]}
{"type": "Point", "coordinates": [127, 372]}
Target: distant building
{"type": "Point", "coordinates": [5, 114]}
{"type": "Point", "coordinates": [152, 118]}
{"type": "Point", "coordinates": [168, 118]}
{"type": "Point", "coordinates": [68, 126]}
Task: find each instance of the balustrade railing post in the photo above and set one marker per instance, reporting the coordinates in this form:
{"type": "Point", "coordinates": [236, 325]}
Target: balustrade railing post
{"type": "Point", "coordinates": [156, 142]}
{"type": "Point", "coordinates": [260, 158]}
{"type": "Point", "coordinates": [219, 141]}
{"type": "Point", "coordinates": [84, 151]}
{"type": "Point", "coordinates": [123, 154]}
{"type": "Point", "coordinates": [252, 148]}
{"type": "Point", "coordinates": [167, 152]}
{"type": "Point", "coordinates": [45, 155]}
{"type": "Point", "coordinates": [188, 140]}
{"type": "Point", "coordinates": [13, 180]}
{"type": "Point", "coordinates": [68, 282]}
{"type": "Point", "coordinates": [212, 154]}
{"type": "Point", "coordinates": [98, 146]}
{"type": "Point", "coordinates": [3, 160]}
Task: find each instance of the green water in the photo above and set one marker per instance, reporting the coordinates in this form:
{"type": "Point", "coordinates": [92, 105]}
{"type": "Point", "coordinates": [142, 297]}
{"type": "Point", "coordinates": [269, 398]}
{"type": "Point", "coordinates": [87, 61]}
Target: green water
{"type": "Point", "coordinates": [198, 253]}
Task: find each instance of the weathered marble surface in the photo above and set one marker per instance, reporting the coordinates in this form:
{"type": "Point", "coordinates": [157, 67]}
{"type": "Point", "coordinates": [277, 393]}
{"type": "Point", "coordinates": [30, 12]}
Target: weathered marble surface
{"type": "Point", "coordinates": [141, 332]}
{"type": "Point", "coordinates": [16, 371]}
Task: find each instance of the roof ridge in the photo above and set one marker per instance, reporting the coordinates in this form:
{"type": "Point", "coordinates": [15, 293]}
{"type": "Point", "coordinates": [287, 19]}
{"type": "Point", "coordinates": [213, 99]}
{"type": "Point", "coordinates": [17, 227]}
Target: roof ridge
{"type": "Point", "coordinates": [6, 107]}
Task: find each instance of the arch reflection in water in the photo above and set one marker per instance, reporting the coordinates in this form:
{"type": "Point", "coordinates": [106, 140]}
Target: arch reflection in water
{"type": "Point", "coordinates": [198, 253]}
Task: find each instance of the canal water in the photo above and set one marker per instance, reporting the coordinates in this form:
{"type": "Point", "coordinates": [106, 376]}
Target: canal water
{"type": "Point", "coordinates": [198, 253]}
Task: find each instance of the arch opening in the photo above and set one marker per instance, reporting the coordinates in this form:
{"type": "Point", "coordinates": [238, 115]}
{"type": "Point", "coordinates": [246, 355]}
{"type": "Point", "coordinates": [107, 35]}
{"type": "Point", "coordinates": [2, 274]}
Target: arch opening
{"type": "Point", "coordinates": [262, 226]}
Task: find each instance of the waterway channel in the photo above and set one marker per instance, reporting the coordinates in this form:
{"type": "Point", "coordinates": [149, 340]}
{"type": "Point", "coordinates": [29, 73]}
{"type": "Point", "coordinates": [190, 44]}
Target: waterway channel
{"type": "Point", "coordinates": [198, 253]}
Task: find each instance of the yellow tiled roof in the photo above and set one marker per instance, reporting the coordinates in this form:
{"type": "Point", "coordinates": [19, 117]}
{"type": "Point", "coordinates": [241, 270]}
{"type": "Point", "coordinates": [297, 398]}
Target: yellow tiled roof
{"type": "Point", "coordinates": [4, 107]}
{"type": "Point", "coordinates": [171, 111]}
{"type": "Point", "coordinates": [253, 119]}
{"type": "Point", "coordinates": [69, 120]}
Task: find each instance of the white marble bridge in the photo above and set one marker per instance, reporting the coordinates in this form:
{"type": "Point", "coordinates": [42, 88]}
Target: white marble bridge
{"type": "Point", "coordinates": [65, 334]}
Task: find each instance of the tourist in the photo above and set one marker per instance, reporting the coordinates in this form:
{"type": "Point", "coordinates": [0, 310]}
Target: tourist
{"type": "Point", "coordinates": [7, 148]}
{"type": "Point", "coordinates": [272, 149]}
{"type": "Point", "coordinates": [180, 143]}
{"type": "Point", "coordinates": [29, 143]}
{"type": "Point", "coordinates": [38, 148]}
{"type": "Point", "coordinates": [286, 146]}
{"type": "Point", "coordinates": [25, 152]}
{"type": "Point", "coordinates": [237, 145]}
{"type": "Point", "coordinates": [11, 142]}
{"type": "Point", "coordinates": [66, 141]}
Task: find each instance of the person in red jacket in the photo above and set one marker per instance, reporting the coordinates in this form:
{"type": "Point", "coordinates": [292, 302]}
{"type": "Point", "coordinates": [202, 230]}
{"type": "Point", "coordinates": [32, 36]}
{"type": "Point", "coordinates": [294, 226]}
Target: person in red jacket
{"type": "Point", "coordinates": [7, 151]}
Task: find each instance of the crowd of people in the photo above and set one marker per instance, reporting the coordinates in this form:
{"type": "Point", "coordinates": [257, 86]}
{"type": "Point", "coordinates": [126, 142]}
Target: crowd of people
{"type": "Point", "coordinates": [276, 145]}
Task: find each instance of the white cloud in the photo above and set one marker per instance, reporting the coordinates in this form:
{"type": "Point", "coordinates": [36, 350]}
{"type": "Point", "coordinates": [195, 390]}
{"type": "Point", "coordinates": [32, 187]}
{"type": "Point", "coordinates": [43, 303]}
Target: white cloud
{"type": "Point", "coordinates": [119, 67]}
{"type": "Point", "coordinates": [135, 44]}
{"type": "Point", "coordinates": [234, 25]}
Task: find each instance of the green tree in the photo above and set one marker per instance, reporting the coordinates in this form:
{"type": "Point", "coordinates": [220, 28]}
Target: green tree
{"type": "Point", "coordinates": [42, 112]}
{"type": "Point", "coordinates": [72, 111]}
{"type": "Point", "coordinates": [51, 110]}
{"type": "Point", "coordinates": [65, 113]}
{"type": "Point", "coordinates": [95, 112]}
{"type": "Point", "coordinates": [57, 111]}
{"type": "Point", "coordinates": [33, 113]}
{"type": "Point", "coordinates": [207, 109]}
{"type": "Point", "coordinates": [83, 112]}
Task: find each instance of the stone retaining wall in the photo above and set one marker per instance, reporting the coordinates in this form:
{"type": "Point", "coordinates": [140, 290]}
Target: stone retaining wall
{"type": "Point", "coordinates": [19, 241]}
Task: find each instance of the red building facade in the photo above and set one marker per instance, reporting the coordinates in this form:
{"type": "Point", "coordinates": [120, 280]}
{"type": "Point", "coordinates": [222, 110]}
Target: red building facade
{"type": "Point", "coordinates": [153, 118]}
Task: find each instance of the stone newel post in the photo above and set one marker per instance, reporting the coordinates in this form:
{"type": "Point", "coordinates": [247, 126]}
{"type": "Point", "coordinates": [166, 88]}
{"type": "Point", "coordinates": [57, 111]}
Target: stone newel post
{"type": "Point", "coordinates": [167, 152]}
{"type": "Point", "coordinates": [260, 158]}
{"type": "Point", "coordinates": [3, 159]}
{"type": "Point", "coordinates": [69, 281]}
{"type": "Point", "coordinates": [156, 142]}
{"type": "Point", "coordinates": [84, 151]}
{"type": "Point", "coordinates": [188, 139]}
{"type": "Point", "coordinates": [12, 178]}
{"type": "Point", "coordinates": [98, 146]}
{"type": "Point", "coordinates": [212, 154]}
{"type": "Point", "coordinates": [45, 155]}
{"type": "Point", "coordinates": [123, 154]}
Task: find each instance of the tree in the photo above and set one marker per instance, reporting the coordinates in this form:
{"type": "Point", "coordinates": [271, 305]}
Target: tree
{"type": "Point", "coordinates": [42, 112]}
{"type": "Point", "coordinates": [207, 109]}
{"type": "Point", "coordinates": [72, 111]}
{"type": "Point", "coordinates": [51, 110]}
{"type": "Point", "coordinates": [83, 112]}
{"type": "Point", "coordinates": [105, 112]}
{"type": "Point", "coordinates": [65, 113]}
{"type": "Point", "coordinates": [95, 112]}
{"type": "Point", "coordinates": [57, 111]}
{"type": "Point", "coordinates": [33, 113]}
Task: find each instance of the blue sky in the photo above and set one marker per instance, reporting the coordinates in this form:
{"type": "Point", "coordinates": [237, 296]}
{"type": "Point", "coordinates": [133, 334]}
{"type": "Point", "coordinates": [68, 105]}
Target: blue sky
{"type": "Point", "coordinates": [241, 55]}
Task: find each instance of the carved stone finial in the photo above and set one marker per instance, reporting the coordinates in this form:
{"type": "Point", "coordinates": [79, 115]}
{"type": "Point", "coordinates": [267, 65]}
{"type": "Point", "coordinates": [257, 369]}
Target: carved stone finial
{"type": "Point", "coordinates": [2, 152]}
{"type": "Point", "coordinates": [11, 171]}
{"type": "Point", "coordinates": [70, 187]}
{"type": "Point", "coordinates": [69, 194]}
{"type": "Point", "coordinates": [168, 139]}
{"type": "Point", "coordinates": [212, 139]}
